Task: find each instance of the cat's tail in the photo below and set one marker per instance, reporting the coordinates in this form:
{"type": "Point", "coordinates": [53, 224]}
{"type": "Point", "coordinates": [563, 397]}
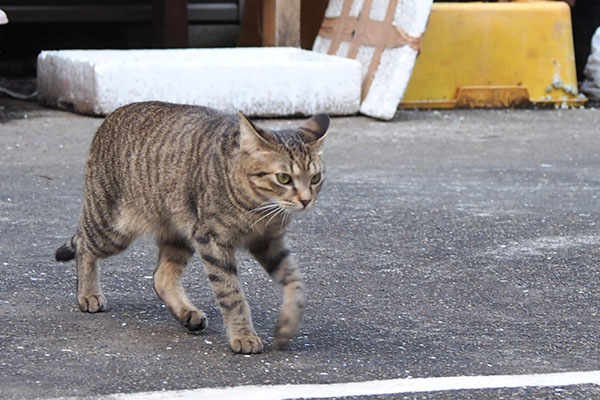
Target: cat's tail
{"type": "Point", "coordinates": [66, 252]}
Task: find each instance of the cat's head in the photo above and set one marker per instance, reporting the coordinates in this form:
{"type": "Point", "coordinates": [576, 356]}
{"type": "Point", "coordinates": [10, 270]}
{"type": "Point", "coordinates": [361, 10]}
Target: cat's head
{"type": "Point", "coordinates": [284, 167]}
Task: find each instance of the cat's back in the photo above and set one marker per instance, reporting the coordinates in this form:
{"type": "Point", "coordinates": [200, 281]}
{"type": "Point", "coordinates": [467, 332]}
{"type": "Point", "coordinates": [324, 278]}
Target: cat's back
{"type": "Point", "coordinates": [155, 111]}
{"type": "Point", "coordinates": [153, 132]}
{"type": "Point", "coordinates": [145, 120]}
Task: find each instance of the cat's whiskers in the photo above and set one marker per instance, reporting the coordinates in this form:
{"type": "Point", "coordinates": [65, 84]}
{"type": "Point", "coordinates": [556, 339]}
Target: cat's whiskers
{"type": "Point", "coordinates": [263, 207]}
{"type": "Point", "coordinates": [281, 210]}
{"type": "Point", "coordinates": [286, 218]}
{"type": "Point", "coordinates": [271, 211]}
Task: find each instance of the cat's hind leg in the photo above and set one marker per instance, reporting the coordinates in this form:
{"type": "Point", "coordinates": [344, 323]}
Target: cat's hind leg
{"type": "Point", "coordinates": [95, 239]}
{"type": "Point", "coordinates": [89, 292]}
{"type": "Point", "coordinates": [172, 260]}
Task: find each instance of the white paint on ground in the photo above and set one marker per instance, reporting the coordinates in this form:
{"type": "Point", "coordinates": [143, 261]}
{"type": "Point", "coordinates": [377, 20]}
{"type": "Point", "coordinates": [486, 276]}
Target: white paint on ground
{"type": "Point", "coordinates": [381, 387]}
{"type": "Point", "coordinates": [544, 245]}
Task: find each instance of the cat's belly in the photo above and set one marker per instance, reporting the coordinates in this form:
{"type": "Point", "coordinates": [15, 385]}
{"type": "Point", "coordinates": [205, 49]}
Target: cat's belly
{"type": "Point", "coordinates": [137, 222]}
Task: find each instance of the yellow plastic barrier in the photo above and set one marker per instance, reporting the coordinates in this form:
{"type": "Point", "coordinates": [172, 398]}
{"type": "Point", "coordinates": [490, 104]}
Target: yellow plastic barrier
{"type": "Point", "coordinates": [495, 55]}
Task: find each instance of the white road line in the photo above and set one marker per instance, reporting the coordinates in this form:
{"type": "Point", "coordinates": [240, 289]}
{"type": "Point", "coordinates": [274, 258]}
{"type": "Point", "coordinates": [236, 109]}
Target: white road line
{"type": "Point", "coordinates": [391, 386]}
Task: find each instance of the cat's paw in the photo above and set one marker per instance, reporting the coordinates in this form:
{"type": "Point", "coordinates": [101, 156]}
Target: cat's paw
{"type": "Point", "coordinates": [282, 341]}
{"type": "Point", "coordinates": [283, 335]}
{"type": "Point", "coordinates": [250, 344]}
{"type": "Point", "coordinates": [92, 303]}
{"type": "Point", "coordinates": [194, 320]}
{"type": "Point", "coordinates": [286, 329]}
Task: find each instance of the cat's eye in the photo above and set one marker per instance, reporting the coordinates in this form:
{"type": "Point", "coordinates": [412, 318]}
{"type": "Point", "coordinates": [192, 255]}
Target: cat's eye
{"type": "Point", "coordinates": [315, 179]}
{"type": "Point", "coordinates": [284, 179]}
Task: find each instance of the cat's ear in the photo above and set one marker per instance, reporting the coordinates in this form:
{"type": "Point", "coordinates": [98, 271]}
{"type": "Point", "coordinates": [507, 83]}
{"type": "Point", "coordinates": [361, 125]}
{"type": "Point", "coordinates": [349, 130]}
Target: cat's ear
{"type": "Point", "coordinates": [252, 137]}
{"type": "Point", "coordinates": [315, 129]}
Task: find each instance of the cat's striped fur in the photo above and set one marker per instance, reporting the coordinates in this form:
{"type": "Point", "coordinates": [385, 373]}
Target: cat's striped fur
{"type": "Point", "coordinates": [199, 181]}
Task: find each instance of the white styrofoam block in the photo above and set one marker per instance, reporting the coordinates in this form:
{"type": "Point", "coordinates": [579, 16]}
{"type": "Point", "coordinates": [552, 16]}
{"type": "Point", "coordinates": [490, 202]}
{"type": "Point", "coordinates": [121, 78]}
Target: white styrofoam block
{"type": "Point", "coordinates": [396, 64]}
{"type": "Point", "coordinates": [591, 83]}
{"type": "Point", "coordinates": [275, 81]}
{"type": "Point", "coordinates": [3, 18]}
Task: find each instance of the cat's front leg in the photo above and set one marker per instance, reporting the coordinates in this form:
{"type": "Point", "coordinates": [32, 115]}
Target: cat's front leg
{"type": "Point", "coordinates": [276, 259]}
{"type": "Point", "coordinates": [173, 257]}
{"type": "Point", "coordinates": [219, 262]}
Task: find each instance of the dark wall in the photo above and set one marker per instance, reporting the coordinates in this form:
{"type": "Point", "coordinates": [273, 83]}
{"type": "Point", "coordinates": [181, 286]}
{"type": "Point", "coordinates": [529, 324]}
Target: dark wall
{"type": "Point", "coordinates": [36, 25]}
{"type": "Point", "coordinates": [586, 18]}
{"type": "Point", "coordinates": [20, 43]}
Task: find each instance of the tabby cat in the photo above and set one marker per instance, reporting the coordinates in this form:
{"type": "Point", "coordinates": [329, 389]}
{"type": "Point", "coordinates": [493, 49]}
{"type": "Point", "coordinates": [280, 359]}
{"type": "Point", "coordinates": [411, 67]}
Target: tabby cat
{"type": "Point", "coordinates": [198, 180]}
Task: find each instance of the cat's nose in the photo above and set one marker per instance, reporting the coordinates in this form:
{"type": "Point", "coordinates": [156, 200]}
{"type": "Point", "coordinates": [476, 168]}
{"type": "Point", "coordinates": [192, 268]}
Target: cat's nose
{"type": "Point", "coordinates": [305, 203]}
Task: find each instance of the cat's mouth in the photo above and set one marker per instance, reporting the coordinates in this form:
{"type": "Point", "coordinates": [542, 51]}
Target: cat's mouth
{"type": "Point", "coordinates": [296, 206]}
{"type": "Point", "coordinates": [281, 210]}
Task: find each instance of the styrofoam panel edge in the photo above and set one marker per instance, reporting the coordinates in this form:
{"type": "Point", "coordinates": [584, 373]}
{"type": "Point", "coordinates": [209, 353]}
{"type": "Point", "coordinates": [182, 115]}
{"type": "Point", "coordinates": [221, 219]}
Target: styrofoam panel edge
{"type": "Point", "coordinates": [383, 98]}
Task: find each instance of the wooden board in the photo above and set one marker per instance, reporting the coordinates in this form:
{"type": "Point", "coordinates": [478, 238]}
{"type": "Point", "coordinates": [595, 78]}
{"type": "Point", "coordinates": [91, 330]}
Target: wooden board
{"type": "Point", "coordinates": [385, 37]}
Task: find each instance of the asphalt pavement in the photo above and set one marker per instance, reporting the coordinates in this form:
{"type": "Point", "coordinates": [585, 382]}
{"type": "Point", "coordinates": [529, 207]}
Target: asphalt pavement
{"type": "Point", "coordinates": [444, 243]}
